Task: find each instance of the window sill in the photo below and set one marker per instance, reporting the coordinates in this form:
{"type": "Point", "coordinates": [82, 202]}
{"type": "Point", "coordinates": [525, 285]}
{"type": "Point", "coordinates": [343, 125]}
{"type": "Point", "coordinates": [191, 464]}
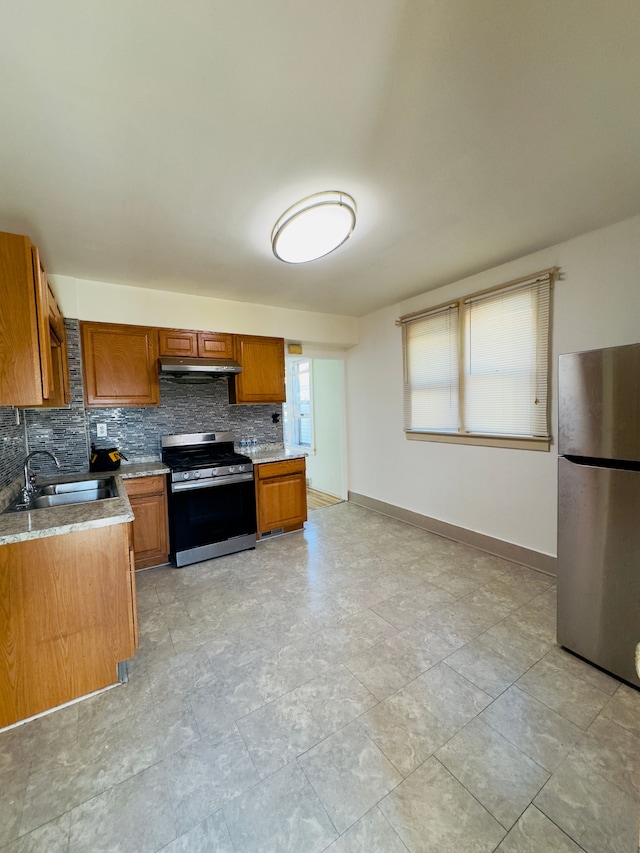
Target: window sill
{"type": "Point", "coordinates": [540, 444]}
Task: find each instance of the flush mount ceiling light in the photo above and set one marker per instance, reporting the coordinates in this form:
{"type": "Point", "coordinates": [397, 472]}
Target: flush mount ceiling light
{"type": "Point", "coordinates": [314, 227]}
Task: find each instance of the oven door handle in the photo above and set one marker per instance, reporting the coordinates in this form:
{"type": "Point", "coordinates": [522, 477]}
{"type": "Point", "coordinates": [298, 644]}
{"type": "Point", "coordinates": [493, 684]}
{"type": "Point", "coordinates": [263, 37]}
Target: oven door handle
{"type": "Point", "coordinates": [189, 485]}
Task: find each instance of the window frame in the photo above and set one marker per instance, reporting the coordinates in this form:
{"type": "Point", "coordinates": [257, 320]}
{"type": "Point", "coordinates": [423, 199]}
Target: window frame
{"type": "Point", "coordinates": [505, 440]}
{"type": "Point", "coordinates": [291, 406]}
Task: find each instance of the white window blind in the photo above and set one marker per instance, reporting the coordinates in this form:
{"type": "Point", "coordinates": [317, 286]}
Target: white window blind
{"type": "Point", "coordinates": [480, 365]}
{"type": "Point", "coordinates": [431, 371]}
{"type": "Point", "coordinates": [506, 337]}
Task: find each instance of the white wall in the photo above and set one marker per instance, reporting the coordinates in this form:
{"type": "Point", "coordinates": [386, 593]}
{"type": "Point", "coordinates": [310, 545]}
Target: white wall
{"type": "Point", "coordinates": [507, 494]}
{"type": "Point", "coordinates": [327, 466]}
{"type": "Point", "coordinates": [112, 303]}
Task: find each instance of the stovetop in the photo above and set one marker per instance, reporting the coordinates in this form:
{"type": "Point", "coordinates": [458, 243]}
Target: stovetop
{"type": "Point", "coordinates": [189, 459]}
{"type": "Point", "coordinates": [211, 454]}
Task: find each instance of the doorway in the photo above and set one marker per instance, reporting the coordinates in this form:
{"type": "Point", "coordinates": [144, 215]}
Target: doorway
{"type": "Point", "coordinates": [315, 422]}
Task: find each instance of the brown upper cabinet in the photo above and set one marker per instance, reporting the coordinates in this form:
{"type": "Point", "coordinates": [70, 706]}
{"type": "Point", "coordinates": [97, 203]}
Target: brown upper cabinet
{"type": "Point", "coordinates": [120, 365]}
{"type": "Point", "coordinates": [262, 377]}
{"type": "Point", "coordinates": [185, 343]}
{"type": "Point", "coordinates": [33, 356]}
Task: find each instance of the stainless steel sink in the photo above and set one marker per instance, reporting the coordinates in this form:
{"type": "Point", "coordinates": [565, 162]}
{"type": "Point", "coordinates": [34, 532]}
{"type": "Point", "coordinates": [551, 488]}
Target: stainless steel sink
{"type": "Point", "coordinates": [60, 494]}
{"type": "Point", "coordinates": [71, 498]}
{"type": "Point", "coordinates": [81, 486]}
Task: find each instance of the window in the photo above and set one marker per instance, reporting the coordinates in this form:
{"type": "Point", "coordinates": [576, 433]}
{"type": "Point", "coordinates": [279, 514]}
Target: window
{"type": "Point", "coordinates": [476, 370]}
{"type": "Point", "coordinates": [298, 410]}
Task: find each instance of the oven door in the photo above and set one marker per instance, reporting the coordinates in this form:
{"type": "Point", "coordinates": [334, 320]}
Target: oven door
{"type": "Point", "coordinates": [213, 520]}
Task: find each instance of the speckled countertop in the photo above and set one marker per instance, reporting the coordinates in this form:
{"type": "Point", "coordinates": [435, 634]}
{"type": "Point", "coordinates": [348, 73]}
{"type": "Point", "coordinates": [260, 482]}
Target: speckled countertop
{"type": "Point", "coordinates": [271, 453]}
{"type": "Point", "coordinates": [53, 521]}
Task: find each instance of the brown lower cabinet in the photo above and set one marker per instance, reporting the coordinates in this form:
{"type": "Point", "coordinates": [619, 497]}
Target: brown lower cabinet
{"type": "Point", "coordinates": [281, 496]}
{"type": "Point", "coordinates": [148, 497]}
{"type": "Point", "coordinates": [68, 617]}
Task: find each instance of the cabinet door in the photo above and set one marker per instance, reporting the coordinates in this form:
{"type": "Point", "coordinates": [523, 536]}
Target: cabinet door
{"type": "Point", "coordinates": [262, 377]}
{"type": "Point", "coordinates": [281, 495]}
{"type": "Point", "coordinates": [148, 498]}
{"type": "Point", "coordinates": [60, 393]}
{"type": "Point", "coordinates": [215, 345]}
{"type": "Point", "coordinates": [25, 359]}
{"type": "Point", "coordinates": [42, 308]}
{"type": "Point", "coordinates": [182, 343]}
{"type": "Point", "coordinates": [120, 364]}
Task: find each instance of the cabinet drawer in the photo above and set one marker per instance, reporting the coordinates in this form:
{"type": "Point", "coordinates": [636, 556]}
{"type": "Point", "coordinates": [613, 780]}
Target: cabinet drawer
{"type": "Point", "coordinates": [154, 485]}
{"type": "Point", "coordinates": [278, 469]}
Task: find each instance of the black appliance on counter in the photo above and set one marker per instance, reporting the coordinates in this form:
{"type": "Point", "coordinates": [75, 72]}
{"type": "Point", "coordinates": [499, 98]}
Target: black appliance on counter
{"type": "Point", "coordinates": [212, 506]}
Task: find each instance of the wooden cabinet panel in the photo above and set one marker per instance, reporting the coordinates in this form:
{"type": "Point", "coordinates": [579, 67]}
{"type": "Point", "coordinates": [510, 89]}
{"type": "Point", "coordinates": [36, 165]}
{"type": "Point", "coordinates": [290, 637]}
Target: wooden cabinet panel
{"type": "Point", "coordinates": [31, 328]}
{"type": "Point", "coordinates": [262, 377]}
{"type": "Point", "coordinates": [120, 364]}
{"type": "Point", "coordinates": [66, 604]}
{"type": "Point", "coordinates": [185, 343]}
{"type": "Point", "coordinates": [215, 345]}
{"type": "Point", "coordinates": [281, 495]}
{"type": "Point", "coordinates": [178, 342]}
{"type": "Point", "coordinates": [148, 497]}
{"type": "Point", "coordinates": [60, 388]}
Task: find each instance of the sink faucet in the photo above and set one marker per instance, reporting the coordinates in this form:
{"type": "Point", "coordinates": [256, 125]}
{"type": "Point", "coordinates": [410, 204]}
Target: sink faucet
{"type": "Point", "coordinates": [29, 488]}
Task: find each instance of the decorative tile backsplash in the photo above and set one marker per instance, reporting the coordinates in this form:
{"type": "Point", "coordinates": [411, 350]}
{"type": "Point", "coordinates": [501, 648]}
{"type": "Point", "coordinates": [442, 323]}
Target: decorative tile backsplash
{"type": "Point", "coordinates": [188, 404]}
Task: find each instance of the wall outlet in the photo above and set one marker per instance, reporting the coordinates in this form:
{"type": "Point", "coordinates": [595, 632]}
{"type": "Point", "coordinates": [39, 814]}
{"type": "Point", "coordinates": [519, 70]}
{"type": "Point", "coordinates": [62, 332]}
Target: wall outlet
{"type": "Point", "coordinates": [101, 430]}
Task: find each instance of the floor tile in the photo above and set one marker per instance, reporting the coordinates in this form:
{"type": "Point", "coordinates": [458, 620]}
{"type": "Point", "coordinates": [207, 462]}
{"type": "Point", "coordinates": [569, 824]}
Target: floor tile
{"type": "Point", "coordinates": [13, 787]}
{"type": "Point", "coordinates": [219, 703]}
{"type": "Point", "coordinates": [576, 666]}
{"type": "Point", "coordinates": [405, 730]}
{"type": "Point", "coordinates": [495, 771]}
{"type": "Point", "coordinates": [484, 667]}
{"type": "Point", "coordinates": [449, 696]}
{"type": "Point", "coordinates": [514, 643]}
{"type": "Point", "coordinates": [405, 608]}
{"type": "Point", "coordinates": [205, 776]}
{"type": "Point", "coordinates": [335, 698]}
{"type": "Point", "coordinates": [209, 836]}
{"type": "Point", "coordinates": [624, 708]}
{"type": "Point", "coordinates": [433, 813]}
{"type": "Point", "coordinates": [113, 820]}
{"type": "Point", "coordinates": [533, 727]}
{"type": "Point", "coordinates": [535, 833]}
{"type": "Point", "coordinates": [420, 647]}
{"type": "Point", "coordinates": [613, 752]}
{"type": "Point", "coordinates": [52, 837]}
{"type": "Point", "coordinates": [590, 809]}
{"type": "Point", "coordinates": [568, 694]}
{"type": "Point", "coordinates": [372, 833]}
{"type": "Point", "coordinates": [103, 757]}
{"type": "Point", "coordinates": [383, 669]}
{"type": "Point", "coordinates": [349, 773]}
{"type": "Point", "coordinates": [281, 815]}
{"type": "Point", "coordinates": [279, 732]}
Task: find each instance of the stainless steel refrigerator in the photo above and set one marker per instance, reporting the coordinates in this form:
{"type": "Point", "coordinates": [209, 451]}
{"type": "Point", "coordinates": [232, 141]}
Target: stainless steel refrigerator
{"type": "Point", "coordinates": [599, 507]}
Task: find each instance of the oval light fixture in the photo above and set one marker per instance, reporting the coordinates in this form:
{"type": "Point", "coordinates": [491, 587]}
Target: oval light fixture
{"type": "Point", "coordinates": [314, 227]}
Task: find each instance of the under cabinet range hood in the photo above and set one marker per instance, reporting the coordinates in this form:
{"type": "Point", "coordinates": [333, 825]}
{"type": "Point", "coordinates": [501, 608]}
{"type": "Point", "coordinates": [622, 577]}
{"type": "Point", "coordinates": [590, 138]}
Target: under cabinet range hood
{"type": "Point", "coordinates": [210, 366]}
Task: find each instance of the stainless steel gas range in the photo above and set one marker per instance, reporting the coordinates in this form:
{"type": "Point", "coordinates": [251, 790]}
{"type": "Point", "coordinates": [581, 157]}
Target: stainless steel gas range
{"type": "Point", "coordinates": [212, 508]}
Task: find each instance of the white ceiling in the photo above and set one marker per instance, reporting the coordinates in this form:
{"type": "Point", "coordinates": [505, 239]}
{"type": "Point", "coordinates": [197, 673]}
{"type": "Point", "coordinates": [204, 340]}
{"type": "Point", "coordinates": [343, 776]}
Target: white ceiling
{"type": "Point", "coordinates": [155, 142]}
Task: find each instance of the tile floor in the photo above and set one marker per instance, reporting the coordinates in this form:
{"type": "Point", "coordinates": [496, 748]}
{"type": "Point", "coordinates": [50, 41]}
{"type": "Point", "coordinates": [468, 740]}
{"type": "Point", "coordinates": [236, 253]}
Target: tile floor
{"type": "Point", "coordinates": [361, 686]}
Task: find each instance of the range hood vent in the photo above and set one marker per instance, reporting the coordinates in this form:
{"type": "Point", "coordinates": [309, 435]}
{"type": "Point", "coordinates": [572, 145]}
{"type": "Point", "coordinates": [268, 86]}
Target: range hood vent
{"type": "Point", "coordinates": [210, 366]}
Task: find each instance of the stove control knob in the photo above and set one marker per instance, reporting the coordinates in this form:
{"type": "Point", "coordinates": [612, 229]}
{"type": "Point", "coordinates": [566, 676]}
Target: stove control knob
{"type": "Point", "coordinates": [196, 474]}
{"type": "Point", "coordinates": [240, 469]}
{"type": "Point", "coordinates": [185, 475]}
{"type": "Point", "coordinates": [214, 472]}
{"type": "Point", "coordinates": [232, 470]}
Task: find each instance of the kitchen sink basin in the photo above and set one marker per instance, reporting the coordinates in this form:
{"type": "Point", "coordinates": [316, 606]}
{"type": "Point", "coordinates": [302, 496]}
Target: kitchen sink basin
{"type": "Point", "coordinates": [82, 486]}
{"type": "Point", "coordinates": [71, 498]}
{"type": "Point", "coordinates": [61, 494]}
